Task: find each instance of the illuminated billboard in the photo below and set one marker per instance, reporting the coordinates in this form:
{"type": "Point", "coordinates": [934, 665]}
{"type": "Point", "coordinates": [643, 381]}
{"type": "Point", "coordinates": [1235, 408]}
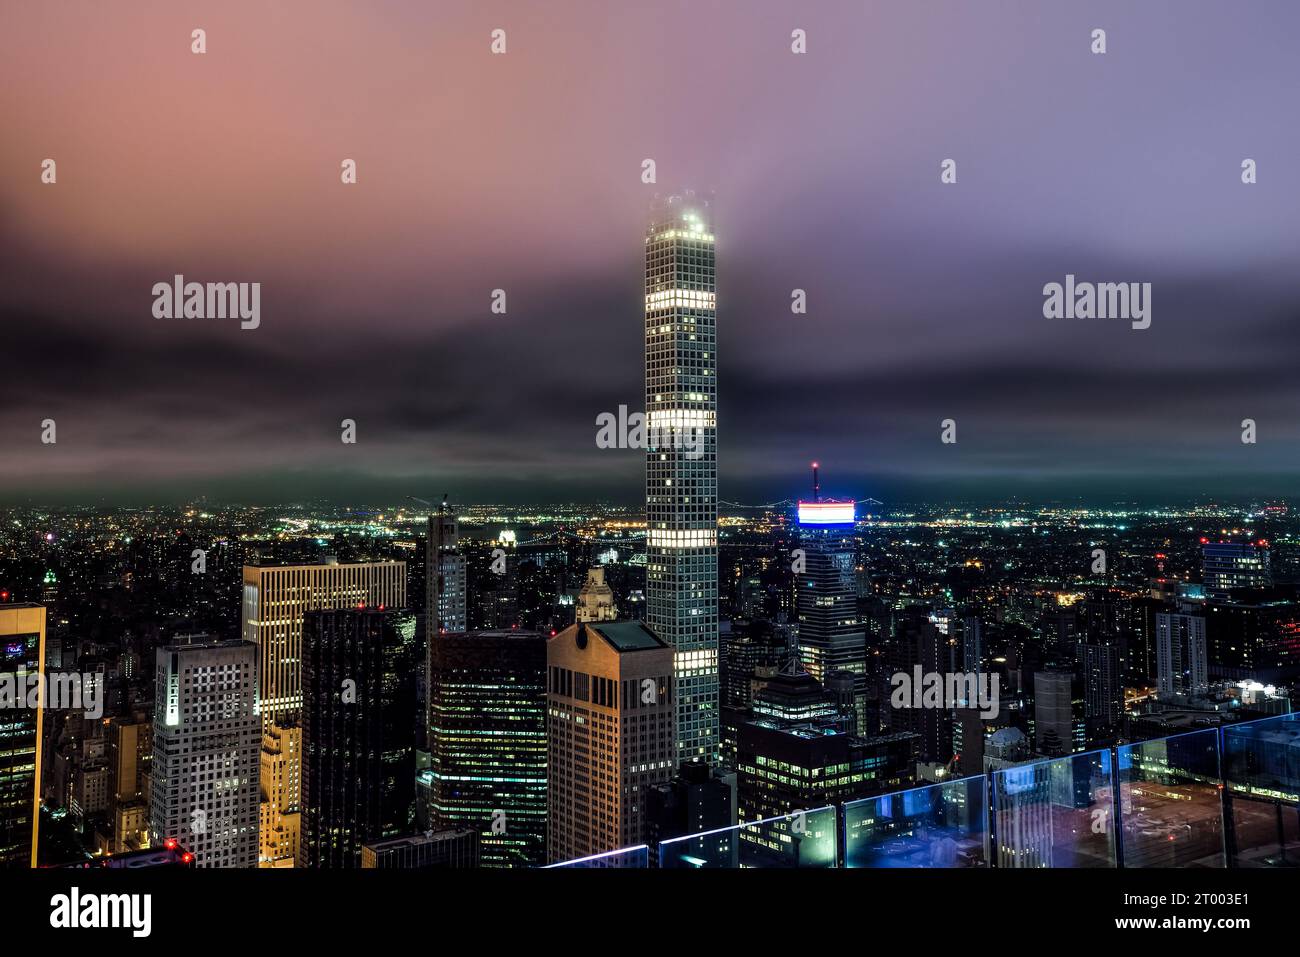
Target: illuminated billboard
{"type": "Point", "coordinates": [826, 513]}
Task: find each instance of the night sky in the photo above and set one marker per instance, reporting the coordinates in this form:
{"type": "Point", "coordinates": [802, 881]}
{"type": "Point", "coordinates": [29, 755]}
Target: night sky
{"type": "Point", "coordinates": [522, 172]}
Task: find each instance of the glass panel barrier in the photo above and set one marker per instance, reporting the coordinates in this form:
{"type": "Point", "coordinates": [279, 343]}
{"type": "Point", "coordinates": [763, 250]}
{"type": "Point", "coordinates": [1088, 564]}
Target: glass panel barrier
{"type": "Point", "coordinates": [1055, 813]}
{"type": "Point", "coordinates": [1171, 801]}
{"type": "Point", "coordinates": [802, 839]}
{"type": "Point", "coordinates": [940, 825]}
{"type": "Point", "coordinates": [638, 856]}
{"type": "Point", "coordinates": [1261, 761]}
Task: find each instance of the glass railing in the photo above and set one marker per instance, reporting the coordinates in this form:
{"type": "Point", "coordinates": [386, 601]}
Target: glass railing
{"type": "Point", "coordinates": [1261, 769]}
{"type": "Point", "coordinates": [1171, 801]}
{"type": "Point", "coordinates": [1219, 797]}
{"type": "Point", "coordinates": [801, 839]}
{"type": "Point", "coordinates": [1054, 813]}
{"type": "Point", "coordinates": [940, 825]}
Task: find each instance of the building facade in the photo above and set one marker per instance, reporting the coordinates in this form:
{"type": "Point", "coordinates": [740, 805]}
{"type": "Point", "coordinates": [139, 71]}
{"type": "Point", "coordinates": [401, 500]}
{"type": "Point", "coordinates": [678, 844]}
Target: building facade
{"type": "Point", "coordinates": [487, 742]}
{"type": "Point", "coordinates": [204, 788]}
{"type": "Point", "coordinates": [611, 725]}
{"type": "Point", "coordinates": [1182, 663]}
{"type": "Point", "coordinates": [681, 363]}
{"type": "Point", "coordinates": [22, 653]}
{"type": "Point", "coordinates": [276, 599]}
{"type": "Point", "coordinates": [358, 732]}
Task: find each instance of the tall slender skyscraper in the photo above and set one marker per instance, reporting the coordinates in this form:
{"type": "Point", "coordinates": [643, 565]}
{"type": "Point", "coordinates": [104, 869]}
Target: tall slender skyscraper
{"type": "Point", "coordinates": [444, 582]}
{"type": "Point", "coordinates": [22, 653]}
{"type": "Point", "coordinates": [682, 461]}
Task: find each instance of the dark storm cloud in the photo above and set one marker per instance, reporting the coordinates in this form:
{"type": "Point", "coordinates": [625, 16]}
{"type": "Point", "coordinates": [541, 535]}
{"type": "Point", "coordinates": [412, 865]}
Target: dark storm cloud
{"type": "Point", "coordinates": [477, 173]}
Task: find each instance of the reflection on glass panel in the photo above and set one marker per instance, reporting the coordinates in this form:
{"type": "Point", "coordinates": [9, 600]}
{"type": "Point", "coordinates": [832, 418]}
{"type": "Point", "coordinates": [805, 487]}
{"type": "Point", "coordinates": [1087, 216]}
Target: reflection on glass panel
{"type": "Point", "coordinates": [638, 856]}
{"type": "Point", "coordinates": [1055, 813]}
{"type": "Point", "coordinates": [802, 839]}
{"type": "Point", "coordinates": [1261, 761]}
{"type": "Point", "coordinates": [1170, 801]}
{"type": "Point", "coordinates": [941, 825]}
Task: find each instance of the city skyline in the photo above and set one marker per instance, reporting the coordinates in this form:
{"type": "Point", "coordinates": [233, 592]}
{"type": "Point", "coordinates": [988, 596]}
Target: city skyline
{"type": "Point", "coordinates": [924, 299]}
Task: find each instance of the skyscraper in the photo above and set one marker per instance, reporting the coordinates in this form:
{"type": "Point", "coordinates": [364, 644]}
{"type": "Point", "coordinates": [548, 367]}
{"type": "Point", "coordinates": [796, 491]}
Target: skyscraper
{"type": "Point", "coordinates": [610, 734]}
{"type": "Point", "coordinates": [276, 597]}
{"type": "Point", "coordinates": [444, 582]}
{"type": "Point", "coordinates": [1181, 662]}
{"type": "Point", "coordinates": [1103, 689]}
{"type": "Point", "coordinates": [358, 732]}
{"type": "Point", "coordinates": [682, 462]}
{"type": "Point", "coordinates": [22, 653]}
{"type": "Point", "coordinates": [281, 786]}
{"type": "Point", "coordinates": [831, 638]}
{"type": "Point", "coordinates": [1059, 712]}
{"type": "Point", "coordinates": [487, 742]}
{"type": "Point", "coordinates": [206, 731]}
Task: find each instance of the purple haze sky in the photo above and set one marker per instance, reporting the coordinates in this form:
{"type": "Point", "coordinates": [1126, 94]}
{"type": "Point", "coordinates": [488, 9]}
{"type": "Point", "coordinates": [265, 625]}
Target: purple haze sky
{"type": "Point", "coordinates": [522, 172]}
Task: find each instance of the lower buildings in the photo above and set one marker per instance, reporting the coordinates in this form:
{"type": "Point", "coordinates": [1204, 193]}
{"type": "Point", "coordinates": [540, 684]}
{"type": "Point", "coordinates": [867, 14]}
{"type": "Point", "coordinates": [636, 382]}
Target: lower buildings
{"type": "Point", "coordinates": [487, 740]}
{"type": "Point", "coordinates": [611, 734]}
{"type": "Point", "coordinates": [206, 728]}
{"type": "Point", "coordinates": [22, 653]}
{"type": "Point", "coordinates": [358, 732]}
{"type": "Point", "coordinates": [423, 852]}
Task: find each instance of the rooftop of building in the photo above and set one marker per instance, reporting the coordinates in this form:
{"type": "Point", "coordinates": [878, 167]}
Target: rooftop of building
{"type": "Point", "coordinates": [623, 636]}
{"type": "Point", "coordinates": [415, 840]}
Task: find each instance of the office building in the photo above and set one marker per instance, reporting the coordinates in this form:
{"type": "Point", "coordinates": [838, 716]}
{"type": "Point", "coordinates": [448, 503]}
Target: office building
{"type": "Point", "coordinates": [281, 784]}
{"type": "Point", "coordinates": [919, 643]}
{"type": "Point", "coordinates": [1182, 663]}
{"type": "Point", "coordinates": [611, 727]}
{"type": "Point", "coordinates": [1229, 565]}
{"type": "Point", "coordinates": [276, 598]}
{"type": "Point", "coordinates": [783, 766]}
{"type": "Point", "coordinates": [358, 732]}
{"type": "Point", "coordinates": [22, 653]}
{"type": "Point", "coordinates": [1255, 635]}
{"type": "Point", "coordinates": [487, 741]}
{"type": "Point", "coordinates": [423, 852]}
{"type": "Point", "coordinates": [1059, 713]}
{"type": "Point", "coordinates": [831, 637]}
{"type": "Point", "coordinates": [681, 400]}
{"type": "Point", "coordinates": [694, 801]}
{"type": "Point", "coordinates": [1099, 668]}
{"type": "Point", "coordinates": [445, 589]}
{"type": "Point", "coordinates": [206, 727]}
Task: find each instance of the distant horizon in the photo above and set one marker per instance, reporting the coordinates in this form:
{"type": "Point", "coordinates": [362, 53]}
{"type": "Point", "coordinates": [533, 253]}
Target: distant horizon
{"type": "Point", "coordinates": [916, 493]}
